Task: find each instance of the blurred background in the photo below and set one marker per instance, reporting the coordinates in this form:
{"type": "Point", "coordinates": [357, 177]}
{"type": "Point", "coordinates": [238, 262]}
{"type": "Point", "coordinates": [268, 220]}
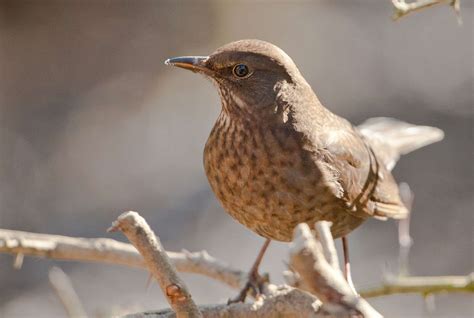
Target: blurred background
{"type": "Point", "coordinates": [92, 123]}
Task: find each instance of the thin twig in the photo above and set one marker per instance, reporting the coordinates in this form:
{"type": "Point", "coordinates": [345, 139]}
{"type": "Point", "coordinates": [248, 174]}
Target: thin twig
{"type": "Point", "coordinates": [404, 238]}
{"type": "Point", "coordinates": [62, 285]}
{"type": "Point", "coordinates": [402, 8]}
{"type": "Point", "coordinates": [148, 244]}
{"type": "Point", "coordinates": [424, 285]}
{"type": "Point", "coordinates": [110, 251]}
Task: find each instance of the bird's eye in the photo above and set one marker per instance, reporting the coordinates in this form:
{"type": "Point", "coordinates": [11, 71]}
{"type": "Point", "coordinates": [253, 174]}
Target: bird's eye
{"type": "Point", "coordinates": [241, 70]}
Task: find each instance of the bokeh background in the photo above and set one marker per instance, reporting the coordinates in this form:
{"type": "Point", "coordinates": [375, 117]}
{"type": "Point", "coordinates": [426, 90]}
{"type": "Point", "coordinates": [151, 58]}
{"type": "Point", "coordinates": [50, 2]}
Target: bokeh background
{"type": "Point", "coordinates": [92, 124]}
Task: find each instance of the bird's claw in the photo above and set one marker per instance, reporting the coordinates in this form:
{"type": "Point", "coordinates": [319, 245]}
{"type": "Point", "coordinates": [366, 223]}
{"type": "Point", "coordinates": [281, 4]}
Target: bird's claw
{"type": "Point", "coordinates": [254, 286]}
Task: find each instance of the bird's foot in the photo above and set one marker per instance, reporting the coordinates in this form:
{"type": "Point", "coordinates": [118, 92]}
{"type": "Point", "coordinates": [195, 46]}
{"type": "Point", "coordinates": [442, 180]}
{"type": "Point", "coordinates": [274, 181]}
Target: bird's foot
{"type": "Point", "coordinates": [254, 286]}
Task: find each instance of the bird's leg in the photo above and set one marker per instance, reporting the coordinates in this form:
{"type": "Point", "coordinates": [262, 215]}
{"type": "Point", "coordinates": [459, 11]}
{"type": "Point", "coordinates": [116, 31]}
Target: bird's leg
{"type": "Point", "coordinates": [255, 280]}
{"type": "Point", "coordinates": [347, 264]}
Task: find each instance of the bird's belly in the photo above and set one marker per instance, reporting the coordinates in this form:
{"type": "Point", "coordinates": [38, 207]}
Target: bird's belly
{"type": "Point", "coordinates": [270, 187]}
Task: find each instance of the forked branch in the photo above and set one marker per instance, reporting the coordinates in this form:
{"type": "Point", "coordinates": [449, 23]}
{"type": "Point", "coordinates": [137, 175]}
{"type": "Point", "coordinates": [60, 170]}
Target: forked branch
{"type": "Point", "coordinates": [322, 278]}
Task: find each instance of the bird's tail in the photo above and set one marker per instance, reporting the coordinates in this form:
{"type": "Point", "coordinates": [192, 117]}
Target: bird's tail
{"type": "Point", "coordinates": [392, 138]}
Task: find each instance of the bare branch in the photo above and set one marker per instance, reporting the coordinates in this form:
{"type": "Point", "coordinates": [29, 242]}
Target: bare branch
{"type": "Point", "coordinates": [404, 238]}
{"type": "Point", "coordinates": [323, 233]}
{"type": "Point", "coordinates": [110, 251]}
{"type": "Point", "coordinates": [424, 285]}
{"type": "Point", "coordinates": [322, 279]}
{"type": "Point", "coordinates": [62, 285]}
{"type": "Point", "coordinates": [328, 284]}
{"type": "Point", "coordinates": [18, 261]}
{"type": "Point", "coordinates": [114, 252]}
{"type": "Point", "coordinates": [282, 301]}
{"type": "Point", "coordinates": [148, 244]}
{"type": "Point", "coordinates": [402, 8]}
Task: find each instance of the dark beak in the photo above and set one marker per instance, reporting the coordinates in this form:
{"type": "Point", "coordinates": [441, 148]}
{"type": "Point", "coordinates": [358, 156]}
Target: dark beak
{"type": "Point", "coordinates": [192, 63]}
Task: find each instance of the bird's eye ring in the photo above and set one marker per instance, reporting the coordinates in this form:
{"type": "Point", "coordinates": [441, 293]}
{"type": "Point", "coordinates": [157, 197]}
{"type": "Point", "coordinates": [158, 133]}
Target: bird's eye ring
{"type": "Point", "coordinates": [241, 70]}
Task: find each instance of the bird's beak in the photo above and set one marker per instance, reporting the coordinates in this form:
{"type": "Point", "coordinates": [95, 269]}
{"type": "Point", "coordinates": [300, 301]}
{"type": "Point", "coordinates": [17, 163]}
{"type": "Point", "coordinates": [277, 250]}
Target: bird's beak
{"type": "Point", "coordinates": [192, 63]}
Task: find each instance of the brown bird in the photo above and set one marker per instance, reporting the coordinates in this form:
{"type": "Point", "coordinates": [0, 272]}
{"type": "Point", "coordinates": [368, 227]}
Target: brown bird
{"type": "Point", "coordinates": [277, 157]}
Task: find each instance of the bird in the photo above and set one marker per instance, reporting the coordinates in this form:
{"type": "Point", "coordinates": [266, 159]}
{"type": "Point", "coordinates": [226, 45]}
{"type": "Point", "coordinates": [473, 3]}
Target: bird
{"type": "Point", "coordinates": [277, 157]}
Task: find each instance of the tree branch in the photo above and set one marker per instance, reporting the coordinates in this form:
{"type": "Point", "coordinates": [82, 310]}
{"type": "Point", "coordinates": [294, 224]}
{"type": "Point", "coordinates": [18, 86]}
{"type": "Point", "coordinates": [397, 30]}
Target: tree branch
{"type": "Point", "coordinates": [148, 244]}
{"type": "Point", "coordinates": [322, 279]}
{"type": "Point", "coordinates": [282, 301]}
{"type": "Point", "coordinates": [424, 285]}
{"type": "Point", "coordinates": [405, 240]}
{"type": "Point", "coordinates": [277, 298]}
{"type": "Point", "coordinates": [110, 251]}
{"type": "Point", "coordinates": [323, 233]}
{"type": "Point", "coordinates": [402, 8]}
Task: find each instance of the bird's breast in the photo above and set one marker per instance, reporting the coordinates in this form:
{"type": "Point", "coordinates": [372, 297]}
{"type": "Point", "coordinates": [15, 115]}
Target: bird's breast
{"type": "Point", "coordinates": [264, 178]}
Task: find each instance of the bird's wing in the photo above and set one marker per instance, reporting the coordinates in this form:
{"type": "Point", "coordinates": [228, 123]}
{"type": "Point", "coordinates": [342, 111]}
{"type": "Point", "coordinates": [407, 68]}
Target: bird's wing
{"type": "Point", "coordinates": [369, 189]}
{"type": "Point", "coordinates": [391, 138]}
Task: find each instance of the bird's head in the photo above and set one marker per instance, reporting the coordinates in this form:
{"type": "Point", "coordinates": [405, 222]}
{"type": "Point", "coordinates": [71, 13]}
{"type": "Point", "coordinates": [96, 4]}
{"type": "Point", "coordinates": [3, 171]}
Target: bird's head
{"type": "Point", "coordinates": [249, 74]}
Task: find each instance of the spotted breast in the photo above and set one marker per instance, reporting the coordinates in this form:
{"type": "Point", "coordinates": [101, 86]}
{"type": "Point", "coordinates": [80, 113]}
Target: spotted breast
{"type": "Point", "coordinates": [267, 181]}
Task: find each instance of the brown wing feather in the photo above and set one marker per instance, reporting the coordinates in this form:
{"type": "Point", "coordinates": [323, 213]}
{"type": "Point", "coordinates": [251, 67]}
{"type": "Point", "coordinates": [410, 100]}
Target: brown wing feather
{"type": "Point", "coordinates": [369, 188]}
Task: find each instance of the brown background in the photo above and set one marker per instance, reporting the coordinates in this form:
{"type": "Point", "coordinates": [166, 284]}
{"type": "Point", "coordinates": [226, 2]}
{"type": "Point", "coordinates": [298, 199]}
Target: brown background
{"type": "Point", "coordinates": [92, 123]}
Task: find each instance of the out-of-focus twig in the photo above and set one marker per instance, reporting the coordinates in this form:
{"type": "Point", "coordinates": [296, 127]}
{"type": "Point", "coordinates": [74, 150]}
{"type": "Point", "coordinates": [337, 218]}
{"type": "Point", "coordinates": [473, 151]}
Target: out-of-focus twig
{"type": "Point", "coordinates": [110, 251]}
{"type": "Point", "coordinates": [323, 280]}
{"type": "Point", "coordinates": [139, 233]}
{"type": "Point", "coordinates": [62, 285]}
{"type": "Point", "coordinates": [402, 8]}
{"type": "Point", "coordinates": [404, 238]}
{"type": "Point", "coordinates": [424, 285]}
{"type": "Point", "coordinates": [18, 261]}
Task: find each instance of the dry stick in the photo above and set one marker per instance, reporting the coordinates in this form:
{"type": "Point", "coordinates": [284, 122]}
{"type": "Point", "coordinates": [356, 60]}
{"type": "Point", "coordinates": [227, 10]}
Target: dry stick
{"type": "Point", "coordinates": [402, 8]}
{"type": "Point", "coordinates": [404, 238]}
{"type": "Point", "coordinates": [282, 301]}
{"type": "Point", "coordinates": [110, 251]}
{"type": "Point", "coordinates": [323, 233]}
{"type": "Point", "coordinates": [62, 285]}
{"type": "Point", "coordinates": [142, 237]}
{"type": "Point", "coordinates": [424, 285]}
{"type": "Point", "coordinates": [328, 284]}
{"type": "Point", "coordinates": [104, 250]}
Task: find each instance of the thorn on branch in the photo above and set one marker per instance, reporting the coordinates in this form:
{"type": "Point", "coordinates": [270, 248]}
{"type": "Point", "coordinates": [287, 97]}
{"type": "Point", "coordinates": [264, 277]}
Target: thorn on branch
{"type": "Point", "coordinates": [18, 261]}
